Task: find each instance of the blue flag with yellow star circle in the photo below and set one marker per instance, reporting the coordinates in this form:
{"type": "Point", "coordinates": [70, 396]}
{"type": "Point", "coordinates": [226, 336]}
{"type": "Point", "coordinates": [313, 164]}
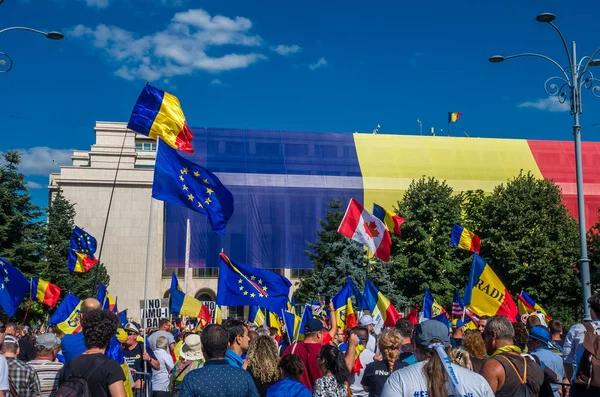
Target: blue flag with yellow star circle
{"type": "Point", "coordinates": [243, 285]}
{"type": "Point", "coordinates": [81, 251]}
{"type": "Point", "coordinates": [182, 182]}
{"type": "Point", "coordinates": [13, 287]}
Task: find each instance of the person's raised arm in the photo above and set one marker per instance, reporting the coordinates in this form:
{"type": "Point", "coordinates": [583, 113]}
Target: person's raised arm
{"type": "Point", "coordinates": [334, 326]}
{"type": "Point", "coordinates": [351, 352]}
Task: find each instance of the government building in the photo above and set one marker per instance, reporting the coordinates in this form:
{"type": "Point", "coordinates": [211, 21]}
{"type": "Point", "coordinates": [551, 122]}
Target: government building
{"type": "Point", "coordinates": [281, 183]}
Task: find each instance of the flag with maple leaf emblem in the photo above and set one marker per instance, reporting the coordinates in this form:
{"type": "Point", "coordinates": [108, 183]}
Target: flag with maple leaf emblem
{"type": "Point", "coordinates": [359, 225]}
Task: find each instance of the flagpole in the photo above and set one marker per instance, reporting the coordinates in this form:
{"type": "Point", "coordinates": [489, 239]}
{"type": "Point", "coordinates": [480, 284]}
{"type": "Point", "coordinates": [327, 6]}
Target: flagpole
{"type": "Point", "coordinates": [286, 328]}
{"type": "Point", "coordinates": [146, 274]}
{"type": "Point", "coordinates": [187, 254]}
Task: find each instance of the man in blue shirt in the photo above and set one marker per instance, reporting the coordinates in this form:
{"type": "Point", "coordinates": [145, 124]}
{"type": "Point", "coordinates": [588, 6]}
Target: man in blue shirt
{"type": "Point", "coordinates": [74, 345]}
{"type": "Point", "coordinates": [217, 378]}
{"type": "Point", "coordinates": [539, 339]}
{"type": "Point", "coordinates": [238, 341]}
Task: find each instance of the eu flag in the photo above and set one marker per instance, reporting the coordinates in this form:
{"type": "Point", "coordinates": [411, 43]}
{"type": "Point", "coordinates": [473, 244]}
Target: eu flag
{"type": "Point", "coordinates": [81, 251]}
{"type": "Point", "coordinates": [243, 285]}
{"type": "Point", "coordinates": [13, 287]}
{"type": "Point", "coordinates": [182, 182]}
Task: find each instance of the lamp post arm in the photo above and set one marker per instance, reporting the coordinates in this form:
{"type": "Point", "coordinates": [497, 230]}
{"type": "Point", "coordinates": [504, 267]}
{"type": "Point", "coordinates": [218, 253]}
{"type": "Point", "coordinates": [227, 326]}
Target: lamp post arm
{"type": "Point", "coordinates": [562, 38]}
{"type": "Point", "coordinates": [531, 54]}
{"type": "Point", "coordinates": [591, 58]}
{"type": "Point", "coordinates": [22, 28]}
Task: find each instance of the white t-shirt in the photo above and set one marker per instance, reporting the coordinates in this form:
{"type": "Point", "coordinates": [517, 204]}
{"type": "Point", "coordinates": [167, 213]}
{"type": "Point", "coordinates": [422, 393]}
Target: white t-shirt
{"type": "Point", "coordinates": [355, 380]}
{"type": "Point", "coordinates": [4, 374]}
{"type": "Point", "coordinates": [410, 382]}
{"type": "Point", "coordinates": [160, 378]}
{"type": "Point", "coordinates": [372, 344]}
{"type": "Point", "coordinates": [155, 335]}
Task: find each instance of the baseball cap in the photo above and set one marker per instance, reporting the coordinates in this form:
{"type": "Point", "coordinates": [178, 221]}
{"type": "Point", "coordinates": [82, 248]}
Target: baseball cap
{"type": "Point", "coordinates": [457, 323]}
{"type": "Point", "coordinates": [540, 333]}
{"type": "Point", "coordinates": [48, 340]}
{"type": "Point", "coordinates": [11, 339]}
{"type": "Point", "coordinates": [132, 327]}
{"type": "Point", "coordinates": [366, 320]}
{"type": "Point", "coordinates": [313, 325]}
{"type": "Point", "coordinates": [429, 330]}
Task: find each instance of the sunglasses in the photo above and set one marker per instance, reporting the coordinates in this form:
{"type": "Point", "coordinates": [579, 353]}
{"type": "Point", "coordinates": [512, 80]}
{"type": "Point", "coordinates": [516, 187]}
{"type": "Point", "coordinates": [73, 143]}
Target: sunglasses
{"type": "Point", "coordinates": [131, 333]}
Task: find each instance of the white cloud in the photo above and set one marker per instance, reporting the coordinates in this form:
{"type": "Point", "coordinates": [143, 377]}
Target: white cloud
{"type": "Point", "coordinates": [40, 160]}
{"type": "Point", "coordinates": [551, 104]}
{"type": "Point", "coordinates": [34, 185]}
{"type": "Point", "coordinates": [216, 82]}
{"type": "Point", "coordinates": [284, 50]}
{"type": "Point", "coordinates": [318, 64]}
{"type": "Point", "coordinates": [415, 58]}
{"type": "Point", "coordinates": [180, 49]}
{"type": "Point", "coordinates": [97, 3]}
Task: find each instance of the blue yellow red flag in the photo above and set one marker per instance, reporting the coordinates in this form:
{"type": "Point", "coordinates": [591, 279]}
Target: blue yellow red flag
{"type": "Point", "coordinates": [342, 305]}
{"type": "Point", "coordinates": [181, 182]}
{"type": "Point", "coordinates": [461, 237]}
{"type": "Point", "coordinates": [81, 251]}
{"type": "Point", "coordinates": [218, 315]}
{"type": "Point", "coordinates": [256, 316]}
{"type": "Point", "coordinates": [433, 310]}
{"type": "Point", "coordinates": [66, 317]}
{"type": "Point", "coordinates": [158, 114]}
{"type": "Point", "coordinates": [243, 285]}
{"type": "Point", "coordinates": [13, 287]}
{"type": "Point", "coordinates": [43, 291]}
{"type": "Point", "coordinates": [105, 298]}
{"type": "Point", "coordinates": [453, 116]}
{"type": "Point", "coordinates": [392, 222]}
{"type": "Point", "coordinates": [380, 305]}
{"type": "Point", "coordinates": [292, 324]}
{"type": "Point", "coordinates": [360, 298]}
{"type": "Point", "coordinates": [486, 295]}
{"type": "Point", "coordinates": [123, 318]}
{"type": "Point", "coordinates": [531, 304]}
{"type": "Point", "coordinates": [185, 305]}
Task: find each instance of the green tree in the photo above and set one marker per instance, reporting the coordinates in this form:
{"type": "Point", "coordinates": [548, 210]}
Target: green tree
{"type": "Point", "coordinates": [530, 241]}
{"type": "Point", "coordinates": [61, 214]}
{"type": "Point", "coordinates": [593, 237]}
{"type": "Point", "coordinates": [423, 256]}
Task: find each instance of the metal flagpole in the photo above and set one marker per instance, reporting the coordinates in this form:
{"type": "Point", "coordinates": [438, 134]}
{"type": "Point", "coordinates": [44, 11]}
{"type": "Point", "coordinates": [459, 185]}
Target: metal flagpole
{"type": "Point", "coordinates": [187, 254]}
{"type": "Point", "coordinates": [146, 274]}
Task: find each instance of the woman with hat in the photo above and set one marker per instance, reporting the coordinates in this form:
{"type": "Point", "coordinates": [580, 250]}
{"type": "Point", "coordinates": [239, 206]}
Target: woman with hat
{"type": "Point", "coordinates": [433, 375]}
{"type": "Point", "coordinates": [190, 358]}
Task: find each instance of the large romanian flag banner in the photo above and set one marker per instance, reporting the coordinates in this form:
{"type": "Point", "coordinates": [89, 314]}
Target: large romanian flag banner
{"type": "Point", "coordinates": [486, 295]}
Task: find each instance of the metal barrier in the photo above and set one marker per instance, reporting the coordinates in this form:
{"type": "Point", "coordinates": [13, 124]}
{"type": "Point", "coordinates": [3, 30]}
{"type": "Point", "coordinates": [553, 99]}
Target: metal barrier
{"type": "Point", "coordinates": [145, 380]}
{"type": "Point", "coordinates": [563, 388]}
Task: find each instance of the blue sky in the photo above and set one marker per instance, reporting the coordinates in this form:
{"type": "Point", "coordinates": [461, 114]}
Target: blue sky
{"type": "Point", "coordinates": [304, 66]}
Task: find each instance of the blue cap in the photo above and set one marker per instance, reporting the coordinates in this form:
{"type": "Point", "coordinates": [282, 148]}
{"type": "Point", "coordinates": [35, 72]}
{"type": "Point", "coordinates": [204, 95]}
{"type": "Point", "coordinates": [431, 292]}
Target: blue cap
{"type": "Point", "coordinates": [313, 325]}
{"type": "Point", "coordinates": [540, 333]}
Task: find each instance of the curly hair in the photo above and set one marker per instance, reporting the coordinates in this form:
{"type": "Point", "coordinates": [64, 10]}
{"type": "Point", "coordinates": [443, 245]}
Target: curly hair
{"type": "Point", "coordinates": [292, 366]}
{"type": "Point", "coordinates": [99, 326]}
{"type": "Point", "coordinates": [521, 335]}
{"type": "Point", "coordinates": [474, 344]}
{"type": "Point", "coordinates": [389, 345]}
{"type": "Point", "coordinates": [263, 359]}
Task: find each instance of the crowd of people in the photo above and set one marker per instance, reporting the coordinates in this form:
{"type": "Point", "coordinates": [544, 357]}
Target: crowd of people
{"type": "Point", "coordinates": [499, 358]}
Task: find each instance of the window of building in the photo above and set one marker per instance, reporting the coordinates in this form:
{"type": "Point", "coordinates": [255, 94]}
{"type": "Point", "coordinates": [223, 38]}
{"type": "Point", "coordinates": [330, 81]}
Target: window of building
{"type": "Point", "coordinates": [300, 273]}
{"type": "Point", "coordinates": [236, 312]}
{"type": "Point", "coordinates": [146, 146]}
{"type": "Point", "coordinates": [299, 150]}
{"type": "Point", "coordinates": [234, 147]}
{"type": "Point", "coordinates": [268, 149]}
{"type": "Point", "coordinates": [205, 295]}
{"type": "Point", "coordinates": [179, 272]}
{"type": "Point", "coordinates": [326, 151]}
{"type": "Point", "coordinates": [144, 166]}
{"type": "Point", "coordinates": [208, 272]}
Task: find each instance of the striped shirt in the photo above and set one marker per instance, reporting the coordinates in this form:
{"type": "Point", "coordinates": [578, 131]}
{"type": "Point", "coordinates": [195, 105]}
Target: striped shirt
{"type": "Point", "coordinates": [47, 372]}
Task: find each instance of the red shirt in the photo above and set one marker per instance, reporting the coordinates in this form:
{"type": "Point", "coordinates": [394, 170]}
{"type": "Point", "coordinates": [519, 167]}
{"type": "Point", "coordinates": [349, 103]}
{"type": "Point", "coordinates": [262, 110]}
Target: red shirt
{"type": "Point", "coordinates": [308, 354]}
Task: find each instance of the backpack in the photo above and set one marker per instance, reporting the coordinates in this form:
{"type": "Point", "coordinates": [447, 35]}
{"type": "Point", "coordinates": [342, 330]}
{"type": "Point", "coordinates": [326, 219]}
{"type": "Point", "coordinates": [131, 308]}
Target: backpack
{"type": "Point", "coordinates": [524, 390]}
{"type": "Point", "coordinates": [75, 384]}
{"type": "Point", "coordinates": [588, 367]}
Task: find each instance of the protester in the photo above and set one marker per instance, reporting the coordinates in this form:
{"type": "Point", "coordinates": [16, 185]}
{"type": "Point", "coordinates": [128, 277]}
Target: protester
{"type": "Point", "coordinates": [482, 323]}
{"type": "Point", "coordinates": [377, 372]}
{"type": "Point", "coordinates": [263, 361]}
{"type": "Point", "coordinates": [556, 333]}
{"type": "Point", "coordinates": [190, 358]}
{"type": "Point", "coordinates": [539, 339]}
{"type": "Point", "coordinates": [251, 336]}
{"type": "Point", "coordinates": [164, 327]}
{"type": "Point", "coordinates": [22, 377]}
{"type": "Point", "coordinates": [457, 333]}
{"type": "Point", "coordinates": [368, 322]}
{"type": "Point", "coordinates": [357, 357]}
{"type": "Point", "coordinates": [308, 350]}
{"type": "Point", "coordinates": [103, 375]}
{"type": "Point", "coordinates": [290, 369]}
{"type": "Point", "coordinates": [521, 336]}
{"type": "Point", "coordinates": [532, 321]}
{"type": "Point", "coordinates": [429, 377]}
{"type": "Point", "coordinates": [160, 377]}
{"type": "Point", "coordinates": [262, 331]}
{"type": "Point", "coordinates": [73, 345]}
{"type": "Point", "coordinates": [217, 377]}
{"type": "Point", "coordinates": [333, 368]}
{"type": "Point", "coordinates": [460, 356]}
{"type": "Point", "coordinates": [45, 364]}
{"type": "Point", "coordinates": [474, 345]}
{"type": "Point", "coordinates": [26, 348]}
{"type": "Point", "coordinates": [506, 370]}
{"type": "Point", "coordinates": [238, 342]}
{"type": "Point", "coordinates": [136, 358]}
{"type": "Point", "coordinates": [405, 328]}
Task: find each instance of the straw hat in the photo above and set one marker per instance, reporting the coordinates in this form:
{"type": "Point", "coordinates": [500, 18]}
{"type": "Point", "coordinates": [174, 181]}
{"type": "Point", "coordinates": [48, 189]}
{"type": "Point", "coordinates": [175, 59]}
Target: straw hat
{"type": "Point", "coordinates": [191, 348]}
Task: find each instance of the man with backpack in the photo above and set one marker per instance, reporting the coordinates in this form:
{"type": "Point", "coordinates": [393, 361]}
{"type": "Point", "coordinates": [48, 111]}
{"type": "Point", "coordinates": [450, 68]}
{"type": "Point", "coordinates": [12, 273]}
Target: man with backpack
{"type": "Point", "coordinates": [580, 351]}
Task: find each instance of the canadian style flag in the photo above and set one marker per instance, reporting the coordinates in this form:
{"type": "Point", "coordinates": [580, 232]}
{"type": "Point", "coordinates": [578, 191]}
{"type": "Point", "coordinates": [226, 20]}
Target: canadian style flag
{"type": "Point", "coordinates": [359, 225]}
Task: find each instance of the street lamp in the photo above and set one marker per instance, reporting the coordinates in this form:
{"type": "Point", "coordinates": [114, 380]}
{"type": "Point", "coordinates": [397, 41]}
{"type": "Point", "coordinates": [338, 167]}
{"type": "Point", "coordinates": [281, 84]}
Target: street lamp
{"type": "Point", "coordinates": [6, 61]}
{"type": "Point", "coordinates": [574, 77]}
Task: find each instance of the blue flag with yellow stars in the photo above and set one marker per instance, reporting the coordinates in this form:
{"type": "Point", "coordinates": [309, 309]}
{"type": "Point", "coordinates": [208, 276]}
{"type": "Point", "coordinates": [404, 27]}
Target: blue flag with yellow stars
{"type": "Point", "coordinates": [182, 182]}
{"type": "Point", "coordinates": [81, 251]}
{"type": "Point", "coordinates": [243, 285]}
{"type": "Point", "coordinates": [13, 287]}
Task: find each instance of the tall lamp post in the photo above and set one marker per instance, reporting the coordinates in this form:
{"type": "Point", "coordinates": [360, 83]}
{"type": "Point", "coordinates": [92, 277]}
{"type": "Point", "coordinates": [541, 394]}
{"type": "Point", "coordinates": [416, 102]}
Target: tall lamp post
{"type": "Point", "coordinates": [6, 63]}
{"type": "Point", "coordinates": [573, 79]}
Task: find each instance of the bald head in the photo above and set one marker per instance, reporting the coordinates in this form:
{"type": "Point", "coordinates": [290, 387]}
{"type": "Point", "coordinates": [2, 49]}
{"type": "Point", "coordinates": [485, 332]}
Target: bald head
{"type": "Point", "coordinates": [90, 304]}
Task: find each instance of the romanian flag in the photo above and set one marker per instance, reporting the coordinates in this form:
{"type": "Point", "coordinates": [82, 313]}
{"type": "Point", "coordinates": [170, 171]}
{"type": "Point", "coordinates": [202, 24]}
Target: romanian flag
{"type": "Point", "coordinates": [123, 318]}
{"type": "Point", "coordinates": [453, 116]}
{"type": "Point", "coordinates": [357, 364]}
{"type": "Point", "coordinates": [465, 239]}
{"type": "Point", "coordinates": [158, 114]}
{"type": "Point", "coordinates": [81, 251]}
{"type": "Point", "coordinates": [391, 221]}
{"type": "Point", "coordinates": [292, 324]}
{"type": "Point", "coordinates": [273, 321]}
{"type": "Point", "coordinates": [413, 316]}
{"type": "Point", "coordinates": [43, 291]}
{"type": "Point", "coordinates": [256, 316]}
{"type": "Point", "coordinates": [433, 310]}
{"type": "Point", "coordinates": [526, 302]}
{"type": "Point", "coordinates": [218, 315]}
{"type": "Point", "coordinates": [380, 305]}
{"type": "Point", "coordinates": [486, 295]}
{"type": "Point", "coordinates": [344, 312]}
{"type": "Point", "coordinates": [115, 352]}
{"type": "Point", "coordinates": [66, 317]}
{"type": "Point", "coordinates": [106, 299]}
{"type": "Point", "coordinates": [185, 305]}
